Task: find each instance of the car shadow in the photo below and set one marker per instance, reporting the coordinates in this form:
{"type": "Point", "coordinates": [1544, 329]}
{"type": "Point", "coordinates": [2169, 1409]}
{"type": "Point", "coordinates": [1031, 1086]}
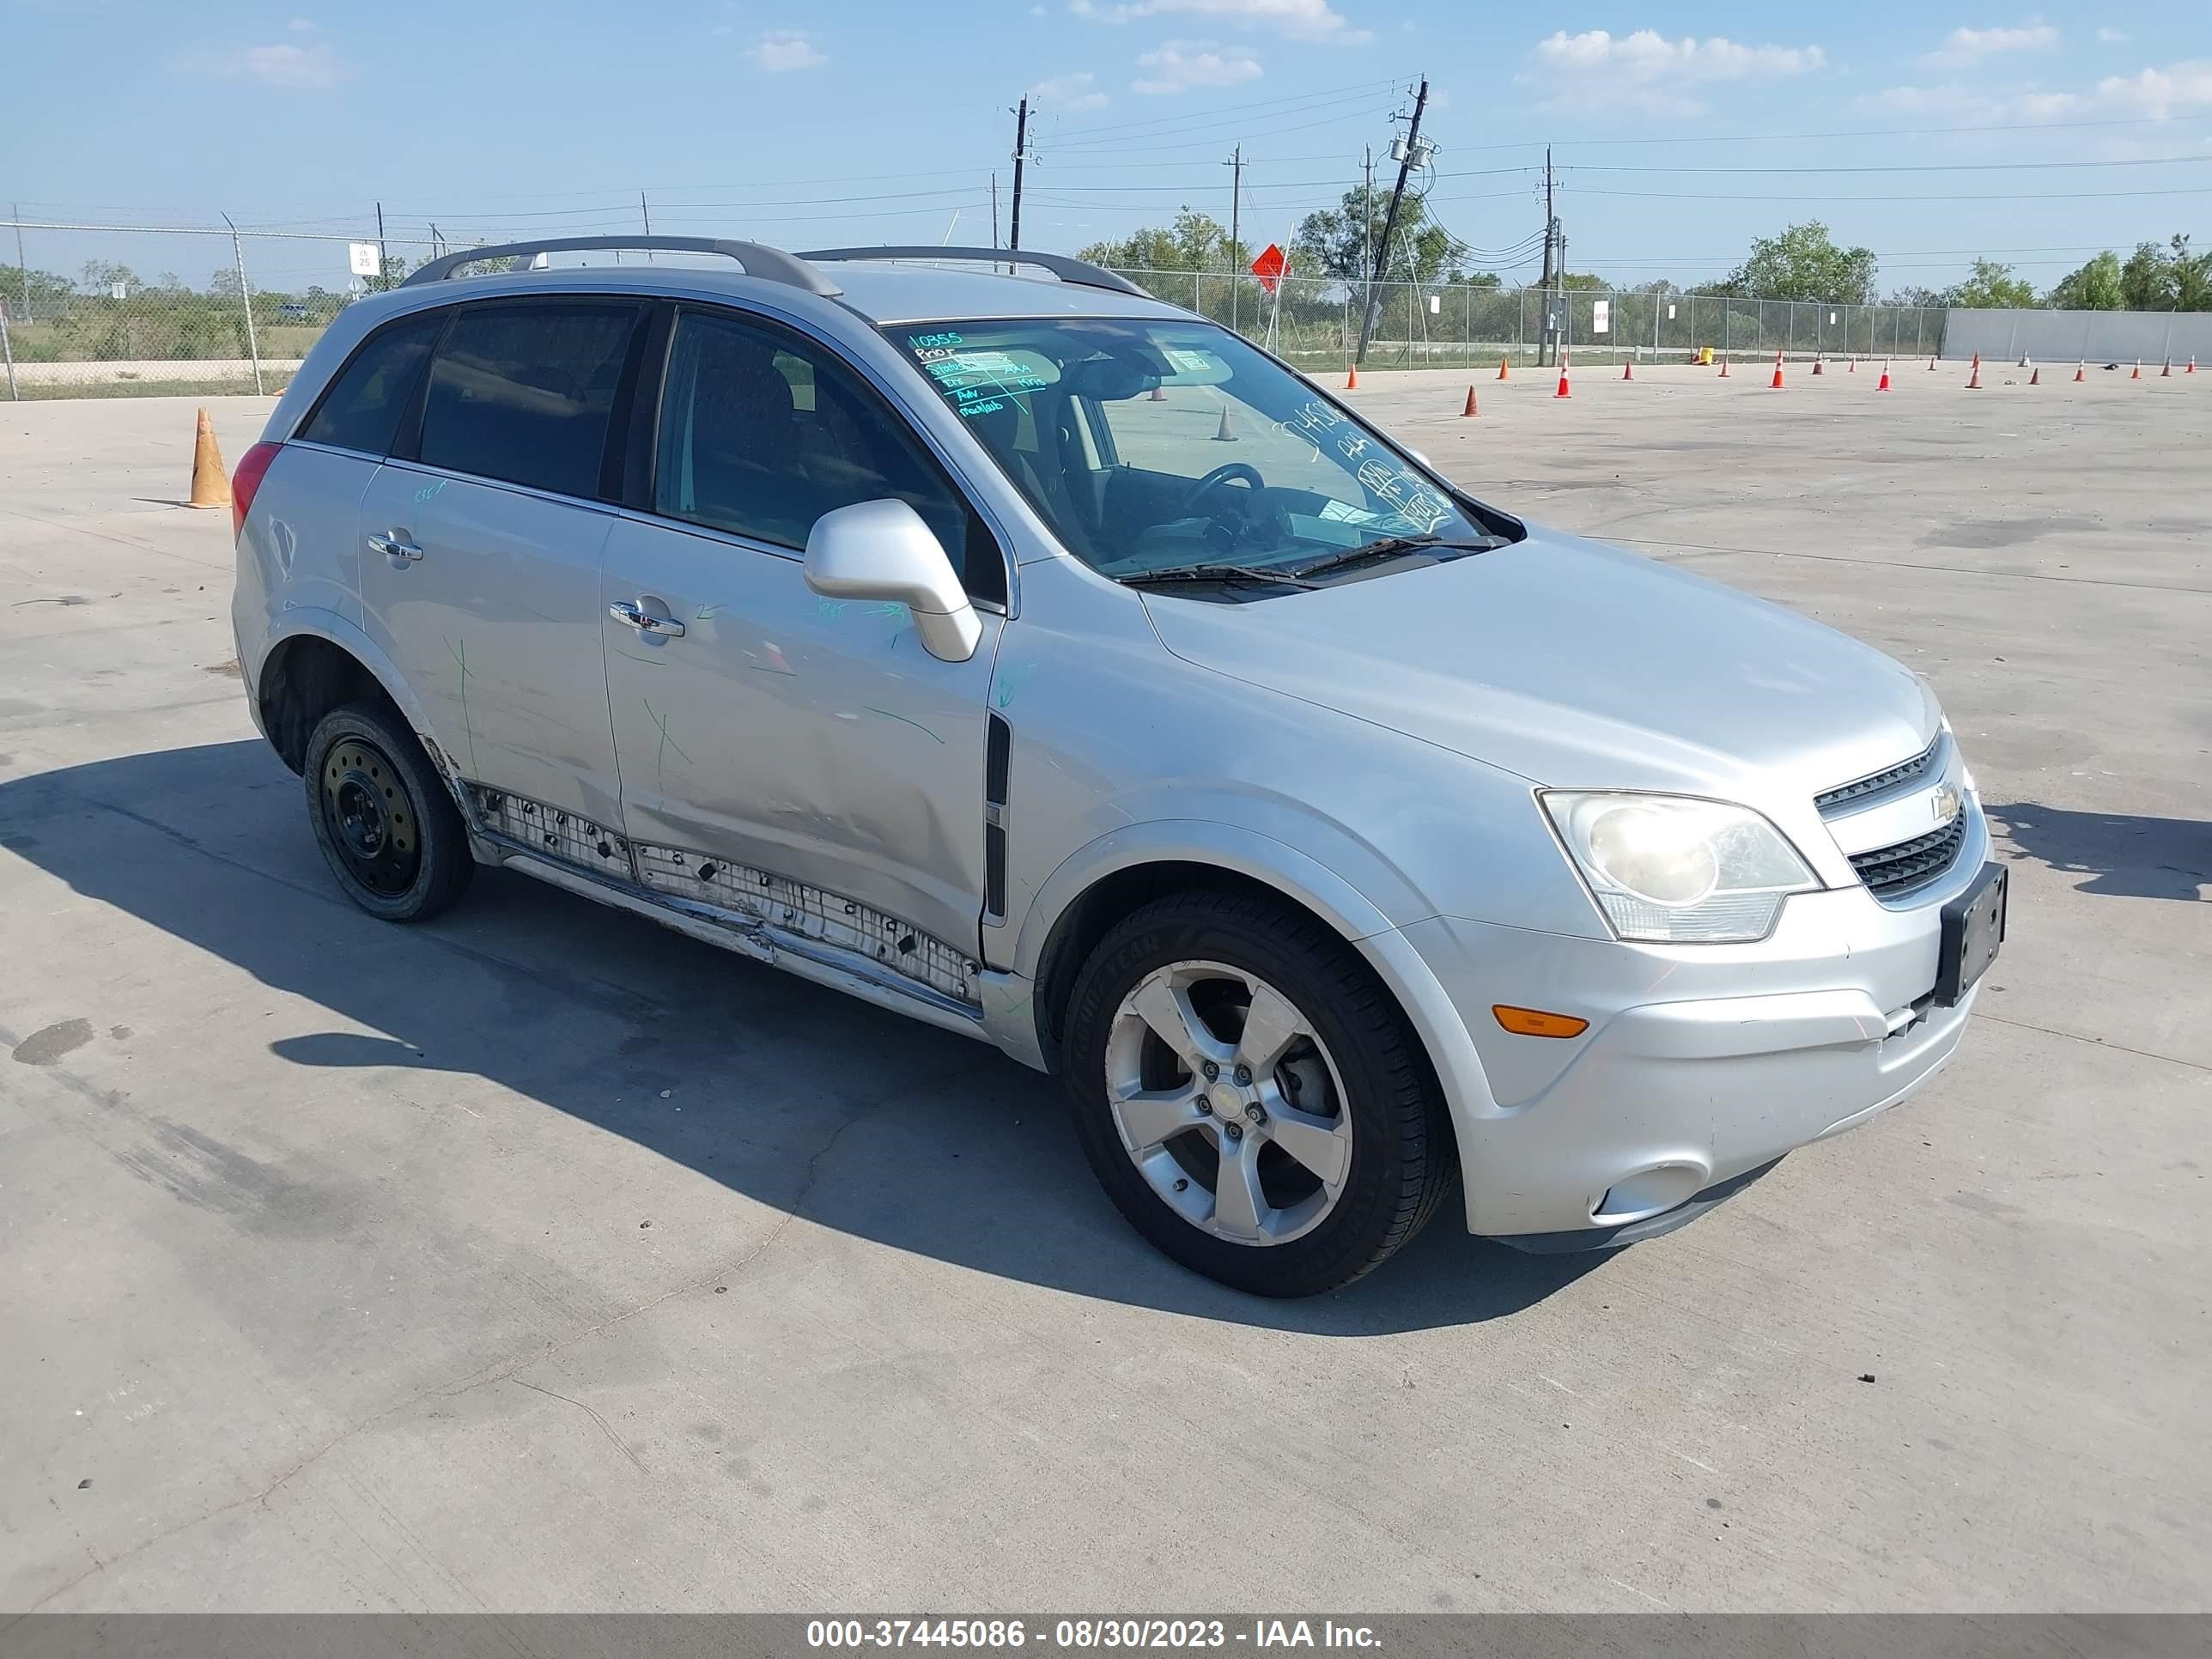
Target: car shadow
{"type": "Point", "coordinates": [2121, 853]}
{"type": "Point", "coordinates": [941, 1145]}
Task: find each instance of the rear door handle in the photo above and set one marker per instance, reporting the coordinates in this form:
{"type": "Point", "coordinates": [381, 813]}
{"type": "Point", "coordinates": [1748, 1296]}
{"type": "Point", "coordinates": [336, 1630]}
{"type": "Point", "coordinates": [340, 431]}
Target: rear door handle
{"type": "Point", "coordinates": [623, 611]}
{"type": "Point", "coordinates": [396, 546]}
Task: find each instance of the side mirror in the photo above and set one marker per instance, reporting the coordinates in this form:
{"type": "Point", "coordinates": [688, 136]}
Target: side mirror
{"type": "Point", "coordinates": [882, 551]}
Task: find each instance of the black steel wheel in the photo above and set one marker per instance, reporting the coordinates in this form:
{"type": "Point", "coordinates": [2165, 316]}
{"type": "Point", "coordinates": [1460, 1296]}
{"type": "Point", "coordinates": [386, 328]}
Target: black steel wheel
{"type": "Point", "coordinates": [388, 830]}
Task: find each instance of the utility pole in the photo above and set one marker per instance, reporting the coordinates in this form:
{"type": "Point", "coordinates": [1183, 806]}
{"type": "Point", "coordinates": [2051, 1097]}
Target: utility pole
{"type": "Point", "coordinates": [1021, 154]}
{"type": "Point", "coordinates": [645, 214]}
{"type": "Point", "coordinates": [382, 256]}
{"type": "Point", "coordinates": [23, 266]}
{"type": "Point", "coordinates": [1390, 218]}
{"type": "Point", "coordinates": [1236, 164]}
{"type": "Point", "coordinates": [1548, 336]}
{"type": "Point", "coordinates": [994, 207]}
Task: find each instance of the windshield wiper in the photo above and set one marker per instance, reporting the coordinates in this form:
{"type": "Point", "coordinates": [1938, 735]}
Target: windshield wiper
{"type": "Point", "coordinates": [1216, 573]}
{"type": "Point", "coordinates": [1386, 547]}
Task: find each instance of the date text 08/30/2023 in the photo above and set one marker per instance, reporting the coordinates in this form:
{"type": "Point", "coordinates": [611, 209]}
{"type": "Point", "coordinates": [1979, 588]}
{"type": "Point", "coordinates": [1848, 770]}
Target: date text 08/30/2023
{"type": "Point", "coordinates": [1080, 1635]}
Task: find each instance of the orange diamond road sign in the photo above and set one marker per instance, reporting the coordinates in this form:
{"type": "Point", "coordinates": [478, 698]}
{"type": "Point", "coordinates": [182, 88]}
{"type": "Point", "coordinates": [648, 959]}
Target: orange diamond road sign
{"type": "Point", "coordinates": [1270, 266]}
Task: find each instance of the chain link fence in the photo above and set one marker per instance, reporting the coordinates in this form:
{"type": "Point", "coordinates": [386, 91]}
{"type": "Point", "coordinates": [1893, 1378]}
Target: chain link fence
{"type": "Point", "coordinates": [200, 310]}
{"type": "Point", "coordinates": [1314, 322]}
{"type": "Point", "coordinates": [179, 310]}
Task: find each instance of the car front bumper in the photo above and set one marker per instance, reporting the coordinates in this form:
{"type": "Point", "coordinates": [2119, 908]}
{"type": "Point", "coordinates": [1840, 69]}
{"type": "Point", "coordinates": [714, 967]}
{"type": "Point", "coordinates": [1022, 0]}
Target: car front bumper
{"type": "Point", "coordinates": [1701, 1064]}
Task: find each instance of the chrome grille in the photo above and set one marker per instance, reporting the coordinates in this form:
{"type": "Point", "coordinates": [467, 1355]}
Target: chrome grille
{"type": "Point", "coordinates": [1891, 873]}
{"type": "Point", "coordinates": [1875, 783]}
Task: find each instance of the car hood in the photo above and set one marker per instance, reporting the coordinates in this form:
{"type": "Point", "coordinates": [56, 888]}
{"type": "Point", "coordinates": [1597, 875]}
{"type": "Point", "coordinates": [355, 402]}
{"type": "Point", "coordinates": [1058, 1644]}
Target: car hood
{"type": "Point", "coordinates": [1578, 665]}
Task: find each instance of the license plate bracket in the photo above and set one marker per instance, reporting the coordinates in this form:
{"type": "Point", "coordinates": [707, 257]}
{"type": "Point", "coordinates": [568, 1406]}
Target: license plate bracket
{"type": "Point", "coordinates": [1973, 929]}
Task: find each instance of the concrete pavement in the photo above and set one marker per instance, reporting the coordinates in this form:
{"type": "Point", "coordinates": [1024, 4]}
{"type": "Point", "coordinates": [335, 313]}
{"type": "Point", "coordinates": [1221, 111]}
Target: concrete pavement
{"type": "Point", "coordinates": [541, 1259]}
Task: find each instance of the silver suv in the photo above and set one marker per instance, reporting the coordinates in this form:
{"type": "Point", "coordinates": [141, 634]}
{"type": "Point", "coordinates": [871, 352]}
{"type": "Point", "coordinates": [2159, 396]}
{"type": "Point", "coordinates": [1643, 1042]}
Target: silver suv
{"type": "Point", "coordinates": [1041, 660]}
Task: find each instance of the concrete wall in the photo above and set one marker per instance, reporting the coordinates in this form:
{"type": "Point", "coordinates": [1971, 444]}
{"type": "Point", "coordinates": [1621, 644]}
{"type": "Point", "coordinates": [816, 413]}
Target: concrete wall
{"type": "Point", "coordinates": [2105, 336]}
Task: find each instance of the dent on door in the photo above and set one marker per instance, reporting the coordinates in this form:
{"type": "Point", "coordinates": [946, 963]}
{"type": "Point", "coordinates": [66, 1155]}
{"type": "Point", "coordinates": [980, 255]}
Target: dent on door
{"type": "Point", "coordinates": [800, 761]}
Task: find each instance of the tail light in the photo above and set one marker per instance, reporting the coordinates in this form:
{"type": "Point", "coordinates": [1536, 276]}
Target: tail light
{"type": "Point", "coordinates": [251, 468]}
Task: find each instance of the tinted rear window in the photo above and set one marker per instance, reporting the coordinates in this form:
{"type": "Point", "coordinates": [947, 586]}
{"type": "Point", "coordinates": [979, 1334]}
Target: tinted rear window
{"type": "Point", "coordinates": [362, 408]}
{"type": "Point", "coordinates": [523, 393]}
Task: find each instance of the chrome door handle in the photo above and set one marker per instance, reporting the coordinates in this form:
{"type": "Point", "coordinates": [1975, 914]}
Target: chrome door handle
{"type": "Point", "coordinates": [396, 546]}
{"type": "Point", "coordinates": [623, 611]}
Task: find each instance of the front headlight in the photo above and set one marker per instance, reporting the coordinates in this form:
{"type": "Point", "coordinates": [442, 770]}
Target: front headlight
{"type": "Point", "coordinates": [1670, 869]}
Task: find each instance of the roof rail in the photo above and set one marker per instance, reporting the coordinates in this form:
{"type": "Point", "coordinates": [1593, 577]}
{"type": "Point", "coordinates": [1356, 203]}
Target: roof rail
{"type": "Point", "coordinates": [768, 263]}
{"type": "Point", "coordinates": [1068, 270]}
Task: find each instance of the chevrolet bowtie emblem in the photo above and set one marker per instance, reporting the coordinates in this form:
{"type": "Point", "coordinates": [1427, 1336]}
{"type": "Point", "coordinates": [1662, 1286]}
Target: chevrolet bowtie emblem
{"type": "Point", "coordinates": [1945, 802]}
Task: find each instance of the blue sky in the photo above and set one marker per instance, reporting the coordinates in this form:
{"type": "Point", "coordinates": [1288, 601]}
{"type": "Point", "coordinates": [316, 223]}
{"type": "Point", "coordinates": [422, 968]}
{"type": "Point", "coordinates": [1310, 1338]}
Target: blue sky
{"type": "Point", "coordinates": [1929, 133]}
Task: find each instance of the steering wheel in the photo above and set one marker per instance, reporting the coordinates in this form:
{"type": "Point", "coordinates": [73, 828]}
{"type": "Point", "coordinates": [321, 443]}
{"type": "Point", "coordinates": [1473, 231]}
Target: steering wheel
{"type": "Point", "coordinates": [1214, 481]}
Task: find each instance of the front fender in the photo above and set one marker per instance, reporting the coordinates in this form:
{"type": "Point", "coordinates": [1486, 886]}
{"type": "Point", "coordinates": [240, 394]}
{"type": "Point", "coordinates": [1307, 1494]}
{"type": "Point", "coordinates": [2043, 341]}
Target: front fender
{"type": "Point", "coordinates": [1327, 891]}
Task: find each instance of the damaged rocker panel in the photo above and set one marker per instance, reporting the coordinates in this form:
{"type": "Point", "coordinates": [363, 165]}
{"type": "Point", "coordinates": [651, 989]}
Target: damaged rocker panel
{"type": "Point", "coordinates": [772, 909]}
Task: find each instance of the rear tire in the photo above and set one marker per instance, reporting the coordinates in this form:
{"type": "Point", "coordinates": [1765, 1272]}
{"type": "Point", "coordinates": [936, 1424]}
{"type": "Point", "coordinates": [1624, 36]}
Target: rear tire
{"type": "Point", "coordinates": [1336, 1144]}
{"type": "Point", "coordinates": [386, 826]}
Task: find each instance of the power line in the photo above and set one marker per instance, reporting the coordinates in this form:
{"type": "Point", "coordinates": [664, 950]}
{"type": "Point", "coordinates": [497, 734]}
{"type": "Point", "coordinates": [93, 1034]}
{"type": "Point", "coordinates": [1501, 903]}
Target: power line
{"type": "Point", "coordinates": [1799, 196]}
{"type": "Point", "coordinates": [1857, 132]}
{"type": "Point", "coordinates": [1913, 167]}
{"type": "Point", "coordinates": [1366, 99]}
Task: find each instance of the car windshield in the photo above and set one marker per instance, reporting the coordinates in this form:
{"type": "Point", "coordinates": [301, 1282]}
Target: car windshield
{"type": "Point", "coordinates": [1164, 445]}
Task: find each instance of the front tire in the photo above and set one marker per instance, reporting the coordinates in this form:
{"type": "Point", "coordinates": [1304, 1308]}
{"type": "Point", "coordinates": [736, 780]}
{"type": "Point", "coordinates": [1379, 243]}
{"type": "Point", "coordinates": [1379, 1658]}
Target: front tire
{"type": "Point", "coordinates": [388, 830]}
{"type": "Point", "coordinates": [1250, 1097]}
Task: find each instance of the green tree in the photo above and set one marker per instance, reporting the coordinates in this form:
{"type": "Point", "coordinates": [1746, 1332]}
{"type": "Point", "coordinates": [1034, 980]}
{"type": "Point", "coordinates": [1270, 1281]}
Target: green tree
{"type": "Point", "coordinates": [1991, 287]}
{"type": "Point", "coordinates": [2094, 286]}
{"type": "Point", "coordinates": [1803, 262]}
{"type": "Point", "coordinates": [17, 284]}
{"type": "Point", "coordinates": [2171, 278]}
{"type": "Point", "coordinates": [394, 274]}
{"type": "Point", "coordinates": [100, 277]}
{"type": "Point", "coordinates": [1341, 241]}
{"type": "Point", "coordinates": [1194, 242]}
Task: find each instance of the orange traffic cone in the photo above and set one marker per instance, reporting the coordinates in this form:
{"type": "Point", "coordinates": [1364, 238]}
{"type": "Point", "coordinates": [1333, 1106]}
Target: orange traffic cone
{"type": "Point", "coordinates": [210, 484]}
{"type": "Point", "coordinates": [1469, 411]}
{"type": "Point", "coordinates": [2192, 369]}
{"type": "Point", "coordinates": [1883, 385]}
{"type": "Point", "coordinates": [1817, 367]}
{"type": "Point", "coordinates": [1159, 394]}
{"type": "Point", "coordinates": [1723, 373]}
{"type": "Point", "coordinates": [2137, 375]}
{"type": "Point", "coordinates": [1351, 377]}
{"type": "Point", "coordinates": [1855, 366]}
{"type": "Point", "coordinates": [1501, 366]}
{"type": "Point", "coordinates": [1562, 392]}
{"type": "Point", "coordinates": [1628, 371]}
{"type": "Point", "coordinates": [1224, 433]}
{"type": "Point", "coordinates": [1974, 379]}
{"type": "Point", "coordinates": [1775, 384]}
{"type": "Point", "coordinates": [2081, 371]}
{"type": "Point", "coordinates": [2035, 375]}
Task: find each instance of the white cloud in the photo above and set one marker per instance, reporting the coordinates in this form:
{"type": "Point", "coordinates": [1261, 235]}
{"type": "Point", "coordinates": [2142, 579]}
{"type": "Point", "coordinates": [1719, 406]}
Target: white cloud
{"type": "Point", "coordinates": [1069, 92]}
{"type": "Point", "coordinates": [1301, 20]}
{"type": "Point", "coordinates": [1181, 64]}
{"type": "Point", "coordinates": [782, 49]}
{"type": "Point", "coordinates": [1964, 45]}
{"type": "Point", "coordinates": [284, 65]}
{"type": "Point", "coordinates": [300, 26]}
{"type": "Point", "coordinates": [2160, 93]}
{"type": "Point", "coordinates": [1647, 71]}
{"type": "Point", "coordinates": [2179, 88]}
{"type": "Point", "coordinates": [2112, 37]}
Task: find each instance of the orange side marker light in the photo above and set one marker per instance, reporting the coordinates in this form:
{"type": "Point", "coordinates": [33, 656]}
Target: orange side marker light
{"type": "Point", "coordinates": [1534, 1022]}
